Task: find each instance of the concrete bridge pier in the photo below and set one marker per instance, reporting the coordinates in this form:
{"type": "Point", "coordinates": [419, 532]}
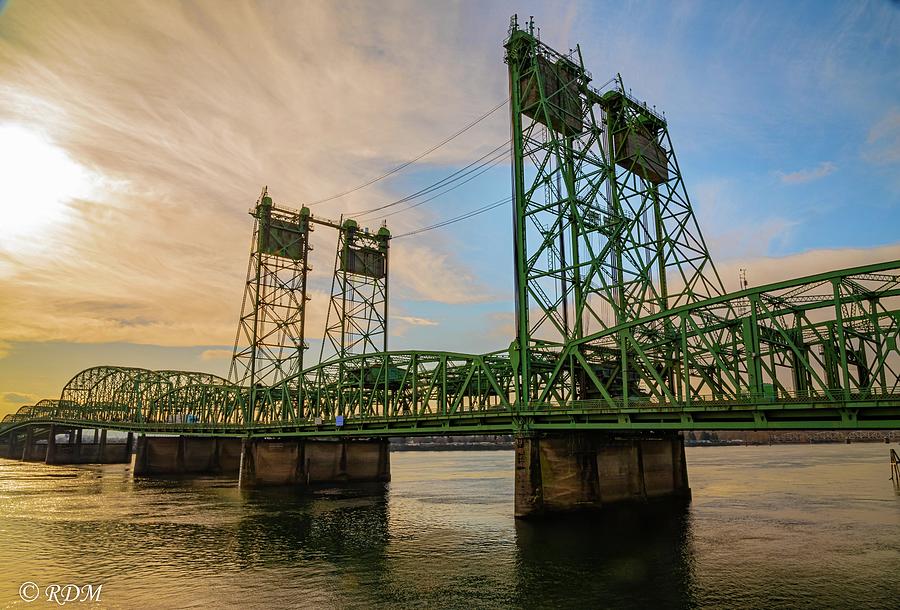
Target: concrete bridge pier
{"type": "Point", "coordinates": [308, 462]}
{"type": "Point", "coordinates": [561, 472]}
{"type": "Point", "coordinates": [176, 455]}
{"type": "Point", "coordinates": [26, 447]}
{"type": "Point", "coordinates": [24, 443]}
{"type": "Point", "coordinates": [76, 451]}
{"type": "Point", "coordinates": [13, 446]}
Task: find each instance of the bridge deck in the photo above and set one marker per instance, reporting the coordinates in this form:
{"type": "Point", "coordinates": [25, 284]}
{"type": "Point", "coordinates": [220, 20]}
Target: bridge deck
{"type": "Point", "coordinates": [856, 413]}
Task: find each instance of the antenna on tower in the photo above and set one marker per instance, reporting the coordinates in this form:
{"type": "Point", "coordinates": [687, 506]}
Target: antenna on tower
{"type": "Point", "coordinates": [742, 280]}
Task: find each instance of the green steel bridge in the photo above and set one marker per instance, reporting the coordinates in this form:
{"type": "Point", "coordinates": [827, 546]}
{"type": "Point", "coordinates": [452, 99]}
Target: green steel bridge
{"type": "Point", "coordinates": [622, 322]}
{"type": "Point", "coordinates": [815, 353]}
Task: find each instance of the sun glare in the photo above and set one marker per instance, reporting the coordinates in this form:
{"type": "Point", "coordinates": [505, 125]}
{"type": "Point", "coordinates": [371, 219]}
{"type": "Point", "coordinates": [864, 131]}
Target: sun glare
{"type": "Point", "coordinates": [37, 182]}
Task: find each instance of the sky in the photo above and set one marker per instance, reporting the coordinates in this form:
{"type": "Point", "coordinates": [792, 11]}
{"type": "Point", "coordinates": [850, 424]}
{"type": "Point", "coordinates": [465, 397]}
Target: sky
{"type": "Point", "coordinates": [135, 137]}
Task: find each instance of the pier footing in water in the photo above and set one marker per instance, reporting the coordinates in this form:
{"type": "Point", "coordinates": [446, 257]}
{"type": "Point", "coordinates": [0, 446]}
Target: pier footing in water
{"type": "Point", "coordinates": [556, 473]}
{"type": "Point", "coordinates": [77, 450]}
{"type": "Point", "coordinates": [167, 455]}
{"type": "Point", "coordinates": [306, 462]}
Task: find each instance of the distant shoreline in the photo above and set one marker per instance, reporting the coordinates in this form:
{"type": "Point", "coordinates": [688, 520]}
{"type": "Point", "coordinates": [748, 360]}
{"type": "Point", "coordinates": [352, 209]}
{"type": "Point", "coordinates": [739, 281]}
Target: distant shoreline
{"type": "Point", "coordinates": [506, 444]}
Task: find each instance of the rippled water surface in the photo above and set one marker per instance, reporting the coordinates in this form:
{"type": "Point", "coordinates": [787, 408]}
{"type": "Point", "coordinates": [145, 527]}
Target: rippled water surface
{"type": "Point", "coordinates": [796, 526]}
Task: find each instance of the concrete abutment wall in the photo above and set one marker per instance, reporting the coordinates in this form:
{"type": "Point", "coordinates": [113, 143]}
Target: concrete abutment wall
{"type": "Point", "coordinates": [307, 462]}
{"type": "Point", "coordinates": [588, 470]}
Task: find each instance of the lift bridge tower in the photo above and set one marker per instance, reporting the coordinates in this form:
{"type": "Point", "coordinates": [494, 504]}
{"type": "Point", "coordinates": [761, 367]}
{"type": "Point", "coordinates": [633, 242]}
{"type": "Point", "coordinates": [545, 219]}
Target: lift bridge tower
{"type": "Point", "coordinates": [357, 320]}
{"type": "Point", "coordinates": [603, 229]}
{"type": "Point", "coordinates": [270, 343]}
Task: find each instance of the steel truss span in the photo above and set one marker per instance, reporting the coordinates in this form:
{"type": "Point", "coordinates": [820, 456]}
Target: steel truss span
{"type": "Point", "coordinates": [622, 322]}
{"type": "Point", "coordinates": [816, 353]}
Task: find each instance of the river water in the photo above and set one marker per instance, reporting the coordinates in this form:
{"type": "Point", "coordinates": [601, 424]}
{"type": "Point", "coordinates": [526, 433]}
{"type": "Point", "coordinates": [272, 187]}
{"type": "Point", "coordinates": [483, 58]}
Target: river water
{"type": "Point", "coordinates": [782, 526]}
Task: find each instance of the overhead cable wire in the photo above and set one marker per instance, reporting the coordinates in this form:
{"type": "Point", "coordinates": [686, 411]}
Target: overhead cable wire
{"type": "Point", "coordinates": [403, 166]}
{"type": "Point", "coordinates": [469, 172]}
{"type": "Point", "coordinates": [444, 192]}
{"type": "Point", "coordinates": [450, 221]}
{"type": "Point", "coordinates": [448, 179]}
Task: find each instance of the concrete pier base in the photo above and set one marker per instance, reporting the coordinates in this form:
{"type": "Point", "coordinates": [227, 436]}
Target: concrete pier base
{"type": "Point", "coordinates": [588, 470]}
{"type": "Point", "coordinates": [32, 450]}
{"type": "Point", "coordinates": [309, 462]}
{"type": "Point", "coordinates": [98, 451]}
{"type": "Point", "coordinates": [172, 455]}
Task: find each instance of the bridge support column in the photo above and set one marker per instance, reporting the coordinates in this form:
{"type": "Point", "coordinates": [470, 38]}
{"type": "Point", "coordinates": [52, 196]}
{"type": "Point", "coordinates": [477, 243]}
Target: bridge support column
{"type": "Point", "coordinates": [310, 462]}
{"type": "Point", "coordinates": [32, 451]}
{"type": "Point", "coordinates": [102, 447]}
{"type": "Point", "coordinates": [588, 470]}
{"type": "Point", "coordinates": [5, 445]}
{"type": "Point", "coordinates": [51, 445]}
{"type": "Point", "coordinates": [26, 445]}
{"type": "Point", "coordinates": [186, 455]}
{"type": "Point", "coordinates": [13, 451]}
{"type": "Point", "coordinates": [100, 451]}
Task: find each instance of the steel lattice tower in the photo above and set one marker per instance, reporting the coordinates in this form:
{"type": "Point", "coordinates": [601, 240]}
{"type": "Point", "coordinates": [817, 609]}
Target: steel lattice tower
{"type": "Point", "coordinates": [270, 343]}
{"type": "Point", "coordinates": [603, 229]}
{"type": "Point", "coordinates": [357, 321]}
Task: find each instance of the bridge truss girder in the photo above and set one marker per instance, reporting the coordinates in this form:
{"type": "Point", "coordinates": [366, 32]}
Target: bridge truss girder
{"type": "Point", "coordinates": [820, 352]}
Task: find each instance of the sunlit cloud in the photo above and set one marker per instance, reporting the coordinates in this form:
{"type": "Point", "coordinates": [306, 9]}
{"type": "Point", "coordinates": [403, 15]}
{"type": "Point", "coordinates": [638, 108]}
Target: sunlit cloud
{"type": "Point", "coordinates": [184, 121]}
{"type": "Point", "coordinates": [38, 182]}
{"type": "Point", "coordinates": [726, 225]}
{"type": "Point", "coordinates": [769, 269]}
{"type": "Point", "coordinates": [423, 273]}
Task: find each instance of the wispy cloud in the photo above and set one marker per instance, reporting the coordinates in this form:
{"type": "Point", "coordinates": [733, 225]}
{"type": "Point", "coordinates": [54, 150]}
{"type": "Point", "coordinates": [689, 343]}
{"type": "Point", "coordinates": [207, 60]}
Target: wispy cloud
{"type": "Point", "coordinates": [723, 219]}
{"type": "Point", "coordinates": [884, 138]}
{"type": "Point", "coordinates": [808, 175]}
{"type": "Point", "coordinates": [17, 398]}
{"type": "Point", "coordinates": [413, 321]}
{"type": "Point", "coordinates": [400, 325]}
{"type": "Point", "coordinates": [215, 354]}
{"type": "Point", "coordinates": [183, 121]}
{"type": "Point", "coordinates": [425, 274]}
